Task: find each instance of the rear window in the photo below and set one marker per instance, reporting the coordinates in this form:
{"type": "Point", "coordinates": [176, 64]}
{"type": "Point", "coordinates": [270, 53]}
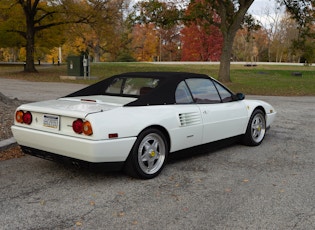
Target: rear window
{"type": "Point", "coordinates": [132, 86]}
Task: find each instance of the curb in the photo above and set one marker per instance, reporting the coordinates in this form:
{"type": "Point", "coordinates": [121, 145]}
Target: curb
{"type": "Point", "coordinates": [5, 144]}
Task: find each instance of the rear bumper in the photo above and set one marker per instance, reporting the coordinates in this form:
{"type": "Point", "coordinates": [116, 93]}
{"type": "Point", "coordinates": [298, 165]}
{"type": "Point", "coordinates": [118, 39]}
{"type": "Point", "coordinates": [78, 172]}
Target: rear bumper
{"type": "Point", "coordinates": [94, 151]}
{"type": "Point", "coordinates": [106, 166]}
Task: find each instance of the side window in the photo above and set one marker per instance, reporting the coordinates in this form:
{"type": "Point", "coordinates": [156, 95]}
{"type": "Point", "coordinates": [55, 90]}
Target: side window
{"type": "Point", "coordinates": [115, 86]}
{"type": "Point", "coordinates": [182, 94]}
{"type": "Point", "coordinates": [204, 91]}
{"type": "Point", "coordinates": [226, 96]}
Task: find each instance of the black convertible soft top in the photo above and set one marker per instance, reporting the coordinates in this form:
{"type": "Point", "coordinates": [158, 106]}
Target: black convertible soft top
{"type": "Point", "coordinates": [162, 94]}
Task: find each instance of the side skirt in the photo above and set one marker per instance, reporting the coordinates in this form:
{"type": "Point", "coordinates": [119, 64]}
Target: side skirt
{"type": "Point", "coordinates": [205, 148]}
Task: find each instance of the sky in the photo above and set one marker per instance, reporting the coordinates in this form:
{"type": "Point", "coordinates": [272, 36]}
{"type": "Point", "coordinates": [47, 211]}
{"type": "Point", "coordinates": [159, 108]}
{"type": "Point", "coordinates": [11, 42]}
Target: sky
{"type": "Point", "coordinates": [259, 8]}
{"type": "Point", "coordinates": [259, 5]}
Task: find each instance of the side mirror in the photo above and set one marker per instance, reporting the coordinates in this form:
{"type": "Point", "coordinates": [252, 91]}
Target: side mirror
{"type": "Point", "coordinates": [240, 96]}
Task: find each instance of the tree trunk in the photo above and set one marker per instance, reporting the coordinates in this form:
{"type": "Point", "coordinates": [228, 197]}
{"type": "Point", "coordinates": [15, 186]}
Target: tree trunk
{"type": "Point", "coordinates": [30, 48]}
{"type": "Point", "coordinates": [29, 8]}
{"type": "Point", "coordinates": [230, 23]}
{"type": "Point", "coordinates": [225, 60]}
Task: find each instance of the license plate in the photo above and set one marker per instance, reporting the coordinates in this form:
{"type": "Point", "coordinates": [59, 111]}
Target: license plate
{"type": "Point", "coordinates": [51, 121]}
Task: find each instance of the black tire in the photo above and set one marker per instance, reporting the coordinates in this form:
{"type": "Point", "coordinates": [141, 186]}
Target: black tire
{"type": "Point", "coordinates": [256, 129]}
{"type": "Point", "coordinates": [148, 155]}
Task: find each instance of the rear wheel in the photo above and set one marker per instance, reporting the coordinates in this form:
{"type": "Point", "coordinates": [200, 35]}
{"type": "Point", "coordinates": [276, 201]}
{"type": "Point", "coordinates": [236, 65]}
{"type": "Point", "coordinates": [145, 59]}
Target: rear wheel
{"type": "Point", "coordinates": [256, 129]}
{"type": "Point", "coordinates": [148, 155]}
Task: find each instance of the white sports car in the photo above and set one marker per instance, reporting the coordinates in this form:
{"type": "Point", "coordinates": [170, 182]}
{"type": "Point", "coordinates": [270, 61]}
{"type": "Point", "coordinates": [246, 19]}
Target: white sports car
{"type": "Point", "coordinates": [134, 120]}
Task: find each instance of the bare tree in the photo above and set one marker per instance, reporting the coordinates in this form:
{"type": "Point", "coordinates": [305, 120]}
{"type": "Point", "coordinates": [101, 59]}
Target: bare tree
{"type": "Point", "coordinates": [270, 19]}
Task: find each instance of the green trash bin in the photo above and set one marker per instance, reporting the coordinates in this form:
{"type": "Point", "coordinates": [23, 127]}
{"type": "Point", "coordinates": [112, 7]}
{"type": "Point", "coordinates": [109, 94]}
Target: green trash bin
{"type": "Point", "coordinates": [75, 66]}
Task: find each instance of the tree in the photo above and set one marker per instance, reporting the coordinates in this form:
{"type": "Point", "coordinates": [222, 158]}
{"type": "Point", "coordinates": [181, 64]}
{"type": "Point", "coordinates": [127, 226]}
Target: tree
{"type": "Point", "coordinates": [100, 35]}
{"type": "Point", "coordinates": [162, 14]}
{"type": "Point", "coordinates": [200, 43]}
{"type": "Point", "coordinates": [245, 47]}
{"type": "Point", "coordinates": [10, 39]}
{"type": "Point", "coordinates": [145, 42]}
{"type": "Point", "coordinates": [171, 44]}
{"type": "Point", "coordinates": [270, 21]}
{"type": "Point", "coordinates": [303, 12]}
{"type": "Point", "coordinates": [165, 16]}
{"type": "Point", "coordinates": [281, 46]}
{"type": "Point", "coordinates": [10, 43]}
{"type": "Point", "coordinates": [40, 15]}
{"type": "Point", "coordinates": [232, 15]}
{"type": "Point", "coordinates": [36, 14]}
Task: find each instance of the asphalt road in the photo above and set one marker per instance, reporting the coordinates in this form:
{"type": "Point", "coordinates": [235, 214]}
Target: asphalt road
{"type": "Point", "coordinates": [236, 187]}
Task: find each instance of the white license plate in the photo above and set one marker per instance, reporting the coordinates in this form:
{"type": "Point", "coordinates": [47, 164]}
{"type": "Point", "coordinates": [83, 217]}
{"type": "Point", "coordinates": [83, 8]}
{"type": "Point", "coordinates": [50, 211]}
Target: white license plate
{"type": "Point", "coordinates": [51, 121]}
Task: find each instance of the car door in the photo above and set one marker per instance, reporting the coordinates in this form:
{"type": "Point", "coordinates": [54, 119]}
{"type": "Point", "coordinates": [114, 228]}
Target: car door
{"type": "Point", "coordinates": [222, 116]}
{"type": "Point", "coordinates": [189, 131]}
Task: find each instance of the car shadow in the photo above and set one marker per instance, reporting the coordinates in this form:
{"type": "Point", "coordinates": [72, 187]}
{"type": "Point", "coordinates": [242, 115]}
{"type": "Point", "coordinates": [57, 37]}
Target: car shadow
{"type": "Point", "coordinates": [109, 171]}
{"type": "Point", "coordinates": [201, 150]}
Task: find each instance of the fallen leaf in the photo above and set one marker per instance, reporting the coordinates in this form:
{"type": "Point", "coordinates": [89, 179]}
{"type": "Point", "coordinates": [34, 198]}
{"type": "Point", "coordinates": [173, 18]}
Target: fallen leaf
{"type": "Point", "coordinates": [120, 214]}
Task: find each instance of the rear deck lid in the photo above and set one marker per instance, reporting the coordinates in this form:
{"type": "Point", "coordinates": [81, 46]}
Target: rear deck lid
{"type": "Point", "coordinates": [78, 106]}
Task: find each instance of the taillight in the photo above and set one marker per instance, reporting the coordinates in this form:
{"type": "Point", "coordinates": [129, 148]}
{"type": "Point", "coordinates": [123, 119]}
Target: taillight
{"type": "Point", "coordinates": [79, 126]}
{"type": "Point", "coordinates": [27, 118]}
{"type": "Point", "coordinates": [19, 116]}
{"type": "Point", "coordinates": [87, 128]}
{"type": "Point", "coordinates": [23, 117]}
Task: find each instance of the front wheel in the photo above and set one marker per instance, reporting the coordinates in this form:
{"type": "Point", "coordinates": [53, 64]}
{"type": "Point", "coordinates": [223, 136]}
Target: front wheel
{"type": "Point", "coordinates": [148, 155]}
{"type": "Point", "coordinates": [256, 129]}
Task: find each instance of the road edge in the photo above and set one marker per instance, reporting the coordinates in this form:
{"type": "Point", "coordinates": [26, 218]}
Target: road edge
{"type": "Point", "coordinates": [5, 144]}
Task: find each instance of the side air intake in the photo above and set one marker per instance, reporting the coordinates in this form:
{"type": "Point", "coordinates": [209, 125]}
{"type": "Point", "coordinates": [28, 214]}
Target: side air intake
{"type": "Point", "coordinates": [187, 119]}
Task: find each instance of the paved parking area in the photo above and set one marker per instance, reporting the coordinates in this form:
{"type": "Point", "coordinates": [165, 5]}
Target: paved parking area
{"type": "Point", "coordinates": [237, 187]}
{"type": "Point", "coordinates": [36, 91]}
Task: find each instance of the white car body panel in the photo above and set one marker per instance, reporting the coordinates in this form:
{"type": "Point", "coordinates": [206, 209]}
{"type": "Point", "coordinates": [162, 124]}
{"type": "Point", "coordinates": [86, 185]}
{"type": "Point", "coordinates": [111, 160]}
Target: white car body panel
{"type": "Point", "coordinates": [114, 150]}
{"type": "Point", "coordinates": [251, 105]}
{"type": "Point", "coordinates": [78, 107]}
{"type": "Point", "coordinates": [223, 120]}
{"type": "Point", "coordinates": [187, 126]}
{"type": "Point", "coordinates": [166, 116]}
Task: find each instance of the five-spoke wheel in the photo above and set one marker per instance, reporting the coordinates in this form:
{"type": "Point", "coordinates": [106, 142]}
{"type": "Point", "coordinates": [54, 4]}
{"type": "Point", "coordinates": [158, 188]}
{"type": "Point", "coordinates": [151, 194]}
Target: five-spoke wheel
{"type": "Point", "coordinates": [256, 129]}
{"type": "Point", "coordinates": [148, 155]}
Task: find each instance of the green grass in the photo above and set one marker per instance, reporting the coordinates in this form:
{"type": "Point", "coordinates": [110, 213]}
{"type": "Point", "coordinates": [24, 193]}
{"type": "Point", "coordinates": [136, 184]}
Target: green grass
{"type": "Point", "coordinates": [259, 80]}
{"type": "Point", "coordinates": [274, 80]}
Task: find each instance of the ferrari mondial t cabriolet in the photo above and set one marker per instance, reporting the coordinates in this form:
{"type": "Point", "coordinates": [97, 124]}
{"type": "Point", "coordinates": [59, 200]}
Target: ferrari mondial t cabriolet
{"type": "Point", "coordinates": [134, 120]}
